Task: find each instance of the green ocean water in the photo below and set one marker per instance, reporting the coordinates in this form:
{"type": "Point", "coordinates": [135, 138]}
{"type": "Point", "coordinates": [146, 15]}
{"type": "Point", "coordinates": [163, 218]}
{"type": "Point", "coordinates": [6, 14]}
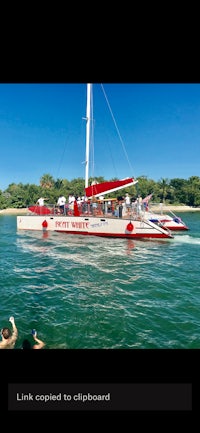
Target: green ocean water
{"type": "Point", "coordinates": [95, 293]}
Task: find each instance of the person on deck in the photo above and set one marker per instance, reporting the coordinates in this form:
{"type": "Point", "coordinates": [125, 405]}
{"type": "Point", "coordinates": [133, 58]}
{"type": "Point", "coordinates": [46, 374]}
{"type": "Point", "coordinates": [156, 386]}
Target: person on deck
{"type": "Point", "coordinates": [9, 337]}
{"type": "Point", "coordinates": [139, 204]}
{"type": "Point", "coordinates": [61, 203]}
{"type": "Point", "coordinates": [40, 201]}
{"type": "Point", "coordinates": [127, 203]}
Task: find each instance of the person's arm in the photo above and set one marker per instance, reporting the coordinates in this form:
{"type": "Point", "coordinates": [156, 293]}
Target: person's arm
{"type": "Point", "coordinates": [40, 344]}
{"type": "Point", "coordinates": [2, 343]}
{"type": "Point", "coordinates": [15, 331]}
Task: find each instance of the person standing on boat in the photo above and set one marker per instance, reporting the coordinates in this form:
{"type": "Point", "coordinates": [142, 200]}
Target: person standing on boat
{"type": "Point", "coordinates": [40, 201]}
{"type": "Point", "coordinates": [139, 204]}
{"type": "Point", "coordinates": [9, 337]}
{"type": "Point", "coordinates": [127, 203]}
{"type": "Point", "coordinates": [61, 203]}
{"type": "Point", "coordinates": [71, 201]}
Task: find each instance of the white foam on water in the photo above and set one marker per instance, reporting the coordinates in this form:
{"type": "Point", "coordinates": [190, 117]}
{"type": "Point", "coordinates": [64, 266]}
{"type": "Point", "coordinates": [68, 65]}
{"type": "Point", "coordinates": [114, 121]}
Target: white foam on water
{"type": "Point", "coordinates": [186, 239]}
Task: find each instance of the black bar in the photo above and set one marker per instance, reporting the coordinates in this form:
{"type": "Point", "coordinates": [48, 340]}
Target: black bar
{"type": "Point", "coordinates": [100, 396]}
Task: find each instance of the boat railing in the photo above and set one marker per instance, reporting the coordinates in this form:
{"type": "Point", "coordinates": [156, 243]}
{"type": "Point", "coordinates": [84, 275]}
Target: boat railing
{"type": "Point", "coordinates": [86, 208]}
{"type": "Point", "coordinates": [89, 208]}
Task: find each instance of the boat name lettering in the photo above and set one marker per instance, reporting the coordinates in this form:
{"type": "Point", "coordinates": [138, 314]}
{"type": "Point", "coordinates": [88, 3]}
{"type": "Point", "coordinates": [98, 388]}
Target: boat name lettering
{"type": "Point", "coordinates": [99, 224]}
{"type": "Point", "coordinates": [80, 224]}
{"type": "Point", "coordinates": [74, 224]}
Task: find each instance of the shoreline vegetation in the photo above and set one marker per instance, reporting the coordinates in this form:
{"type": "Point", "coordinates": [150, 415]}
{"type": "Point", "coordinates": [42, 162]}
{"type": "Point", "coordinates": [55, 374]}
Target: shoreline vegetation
{"type": "Point", "coordinates": [165, 209]}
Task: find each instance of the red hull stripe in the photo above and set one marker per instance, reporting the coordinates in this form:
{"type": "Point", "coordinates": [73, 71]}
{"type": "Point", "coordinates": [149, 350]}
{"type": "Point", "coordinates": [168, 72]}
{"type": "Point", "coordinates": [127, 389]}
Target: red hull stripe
{"type": "Point", "coordinates": [111, 235]}
{"type": "Point", "coordinates": [178, 228]}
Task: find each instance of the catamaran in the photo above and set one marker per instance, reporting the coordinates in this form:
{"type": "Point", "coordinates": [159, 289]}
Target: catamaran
{"type": "Point", "coordinates": [93, 216]}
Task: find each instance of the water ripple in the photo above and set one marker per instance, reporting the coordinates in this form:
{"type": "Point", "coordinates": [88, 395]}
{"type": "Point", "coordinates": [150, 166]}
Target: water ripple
{"type": "Point", "coordinates": [88, 292]}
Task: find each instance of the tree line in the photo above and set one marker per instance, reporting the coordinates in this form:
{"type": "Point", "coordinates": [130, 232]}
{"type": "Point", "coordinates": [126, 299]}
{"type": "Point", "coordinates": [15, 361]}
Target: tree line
{"type": "Point", "coordinates": [168, 191]}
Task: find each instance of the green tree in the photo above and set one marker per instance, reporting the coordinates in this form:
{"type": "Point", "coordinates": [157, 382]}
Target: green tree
{"type": "Point", "coordinates": [3, 200]}
{"type": "Point", "coordinates": [16, 194]}
{"type": "Point", "coordinates": [178, 190]}
{"type": "Point", "coordinates": [194, 191]}
{"type": "Point", "coordinates": [174, 191]}
{"type": "Point", "coordinates": [47, 181]}
{"type": "Point", "coordinates": [164, 185]}
{"type": "Point", "coordinates": [58, 183]}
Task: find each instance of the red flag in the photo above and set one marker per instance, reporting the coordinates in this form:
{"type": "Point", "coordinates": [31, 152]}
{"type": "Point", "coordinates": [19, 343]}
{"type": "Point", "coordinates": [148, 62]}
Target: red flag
{"type": "Point", "coordinates": [76, 210]}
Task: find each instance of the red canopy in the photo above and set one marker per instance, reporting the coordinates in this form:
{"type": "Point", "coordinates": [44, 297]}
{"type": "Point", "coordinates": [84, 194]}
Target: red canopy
{"type": "Point", "coordinates": [106, 187]}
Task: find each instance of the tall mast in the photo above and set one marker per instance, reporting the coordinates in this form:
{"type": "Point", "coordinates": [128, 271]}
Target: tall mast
{"type": "Point", "coordinates": [88, 120]}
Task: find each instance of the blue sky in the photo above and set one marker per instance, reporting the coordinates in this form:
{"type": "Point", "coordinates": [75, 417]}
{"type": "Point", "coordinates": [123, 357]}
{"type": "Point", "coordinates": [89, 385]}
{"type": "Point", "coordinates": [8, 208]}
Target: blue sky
{"type": "Point", "coordinates": [42, 130]}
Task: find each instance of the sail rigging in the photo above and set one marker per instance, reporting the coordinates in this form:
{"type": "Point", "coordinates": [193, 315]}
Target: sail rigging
{"type": "Point", "coordinates": [97, 189]}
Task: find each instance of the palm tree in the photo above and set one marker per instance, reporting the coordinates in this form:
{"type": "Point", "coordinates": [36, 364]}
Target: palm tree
{"type": "Point", "coordinates": [164, 184]}
{"type": "Point", "coordinates": [47, 181]}
{"type": "Point", "coordinates": [58, 183]}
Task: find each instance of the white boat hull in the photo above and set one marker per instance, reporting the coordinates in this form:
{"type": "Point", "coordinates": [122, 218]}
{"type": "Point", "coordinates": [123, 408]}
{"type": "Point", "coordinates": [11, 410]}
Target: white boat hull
{"type": "Point", "coordinates": [93, 226]}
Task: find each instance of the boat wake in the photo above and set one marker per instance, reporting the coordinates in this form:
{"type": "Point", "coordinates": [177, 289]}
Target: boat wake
{"type": "Point", "coordinates": [186, 239]}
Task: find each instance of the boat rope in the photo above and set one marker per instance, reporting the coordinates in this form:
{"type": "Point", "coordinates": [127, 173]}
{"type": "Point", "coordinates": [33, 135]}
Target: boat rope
{"type": "Point", "coordinates": [117, 129]}
{"type": "Point", "coordinates": [61, 159]}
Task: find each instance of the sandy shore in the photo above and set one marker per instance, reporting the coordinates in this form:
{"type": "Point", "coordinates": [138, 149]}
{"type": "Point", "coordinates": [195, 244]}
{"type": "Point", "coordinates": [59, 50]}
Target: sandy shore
{"type": "Point", "coordinates": [175, 209]}
{"type": "Point", "coordinates": [14, 211]}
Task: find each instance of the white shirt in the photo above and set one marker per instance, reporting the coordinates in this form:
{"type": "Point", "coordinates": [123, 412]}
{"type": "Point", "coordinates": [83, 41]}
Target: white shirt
{"type": "Point", "coordinates": [41, 201]}
{"type": "Point", "coordinates": [61, 201]}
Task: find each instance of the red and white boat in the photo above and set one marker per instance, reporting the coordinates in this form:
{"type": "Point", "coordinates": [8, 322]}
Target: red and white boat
{"type": "Point", "coordinates": [172, 222]}
{"type": "Point", "coordinates": [93, 217]}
